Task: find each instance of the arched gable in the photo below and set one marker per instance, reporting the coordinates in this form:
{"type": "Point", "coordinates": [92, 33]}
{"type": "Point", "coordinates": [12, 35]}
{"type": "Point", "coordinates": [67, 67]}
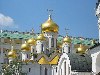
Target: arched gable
{"type": "Point", "coordinates": [61, 65]}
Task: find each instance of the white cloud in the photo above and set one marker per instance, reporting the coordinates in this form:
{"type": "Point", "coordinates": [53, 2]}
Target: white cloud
{"type": "Point", "coordinates": [6, 20]}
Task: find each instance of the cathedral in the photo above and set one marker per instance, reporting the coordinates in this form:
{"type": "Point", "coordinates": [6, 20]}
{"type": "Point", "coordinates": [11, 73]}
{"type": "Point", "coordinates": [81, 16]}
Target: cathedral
{"type": "Point", "coordinates": [48, 53]}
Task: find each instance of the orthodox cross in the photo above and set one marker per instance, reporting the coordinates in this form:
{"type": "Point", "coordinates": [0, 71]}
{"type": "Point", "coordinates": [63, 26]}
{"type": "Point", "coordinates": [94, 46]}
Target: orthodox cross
{"type": "Point", "coordinates": [32, 31]}
{"type": "Point", "coordinates": [50, 11]}
{"type": "Point", "coordinates": [66, 30]}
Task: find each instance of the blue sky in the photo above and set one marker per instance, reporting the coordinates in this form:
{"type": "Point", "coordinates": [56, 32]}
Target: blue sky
{"type": "Point", "coordinates": [76, 15]}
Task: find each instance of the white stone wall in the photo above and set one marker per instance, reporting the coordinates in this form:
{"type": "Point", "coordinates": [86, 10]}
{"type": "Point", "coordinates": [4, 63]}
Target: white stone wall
{"type": "Point", "coordinates": [36, 69]}
{"type": "Point", "coordinates": [95, 54]}
{"type": "Point", "coordinates": [39, 46]}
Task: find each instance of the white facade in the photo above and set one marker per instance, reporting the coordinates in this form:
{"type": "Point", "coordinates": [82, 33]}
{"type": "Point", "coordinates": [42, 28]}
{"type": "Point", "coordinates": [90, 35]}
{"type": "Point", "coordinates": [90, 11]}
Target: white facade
{"type": "Point", "coordinates": [52, 39]}
{"type": "Point", "coordinates": [95, 54]}
{"type": "Point", "coordinates": [98, 16]}
{"type": "Point", "coordinates": [40, 46]}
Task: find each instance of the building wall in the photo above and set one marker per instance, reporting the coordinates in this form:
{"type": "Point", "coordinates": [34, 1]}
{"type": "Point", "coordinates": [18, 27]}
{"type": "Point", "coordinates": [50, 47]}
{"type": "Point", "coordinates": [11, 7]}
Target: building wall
{"type": "Point", "coordinates": [37, 69]}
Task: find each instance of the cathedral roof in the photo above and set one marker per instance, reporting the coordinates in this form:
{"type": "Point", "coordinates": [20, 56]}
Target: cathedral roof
{"type": "Point", "coordinates": [80, 63]}
{"type": "Point", "coordinates": [44, 59]}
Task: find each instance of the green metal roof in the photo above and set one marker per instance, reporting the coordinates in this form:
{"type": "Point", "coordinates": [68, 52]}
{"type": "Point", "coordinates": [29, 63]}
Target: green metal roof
{"type": "Point", "coordinates": [75, 40]}
{"type": "Point", "coordinates": [15, 36]}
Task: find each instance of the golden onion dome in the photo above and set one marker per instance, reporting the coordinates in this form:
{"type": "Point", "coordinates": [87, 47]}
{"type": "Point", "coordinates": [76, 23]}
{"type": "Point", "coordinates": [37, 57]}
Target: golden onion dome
{"type": "Point", "coordinates": [41, 37]}
{"type": "Point", "coordinates": [31, 41]}
{"type": "Point", "coordinates": [49, 26]}
{"type": "Point", "coordinates": [12, 54]}
{"type": "Point", "coordinates": [67, 39]}
{"type": "Point", "coordinates": [25, 47]}
{"type": "Point", "coordinates": [81, 49]}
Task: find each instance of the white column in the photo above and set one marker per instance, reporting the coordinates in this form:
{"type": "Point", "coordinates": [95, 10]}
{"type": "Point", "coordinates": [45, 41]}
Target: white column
{"type": "Point", "coordinates": [50, 42]}
{"type": "Point", "coordinates": [94, 63]}
{"type": "Point", "coordinates": [32, 47]}
{"type": "Point", "coordinates": [55, 40]}
{"type": "Point", "coordinates": [24, 56]}
{"type": "Point", "coordinates": [99, 33]}
{"type": "Point", "coordinates": [62, 69]}
{"type": "Point", "coordinates": [52, 70]}
{"type": "Point", "coordinates": [55, 43]}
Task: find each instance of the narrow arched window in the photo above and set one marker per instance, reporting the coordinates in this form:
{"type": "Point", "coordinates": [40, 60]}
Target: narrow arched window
{"type": "Point", "coordinates": [29, 69]}
{"type": "Point", "coordinates": [42, 47]}
{"type": "Point", "coordinates": [68, 49]}
{"type": "Point", "coordinates": [27, 55]}
{"type": "Point", "coordinates": [46, 71]}
{"type": "Point", "coordinates": [33, 50]}
{"type": "Point", "coordinates": [65, 67]}
{"type": "Point", "coordinates": [52, 42]}
{"type": "Point", "coordinates": [56, 69]}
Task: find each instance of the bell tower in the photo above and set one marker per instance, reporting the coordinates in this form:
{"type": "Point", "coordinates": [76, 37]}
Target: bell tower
{"type": "Point", "coordinates": [98, 16]}
{"type": "Point", "coordinates": [50, 30]}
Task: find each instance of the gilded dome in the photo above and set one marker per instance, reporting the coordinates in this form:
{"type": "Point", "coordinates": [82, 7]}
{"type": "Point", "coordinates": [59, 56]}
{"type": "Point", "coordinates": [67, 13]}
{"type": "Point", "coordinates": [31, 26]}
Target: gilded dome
{"type": "Point", "coordinates": [49, 26]}
{"type": "Point", "coordinates": [12, 54]}
{"type": "Point", "coordinates": [25, 47]}
{"type": "Point", "coordinates": [31, 41]}
{"type": "Point", "coordinates": [81, 49]}
{"type": "Point", "coordinates": [41, 37]}
{"type": "Point", "coordinates": [67, 39]}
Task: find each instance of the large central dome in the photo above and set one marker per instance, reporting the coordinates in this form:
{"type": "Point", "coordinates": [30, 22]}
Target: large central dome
{"type": "Point", "coordinates": [49, 26]}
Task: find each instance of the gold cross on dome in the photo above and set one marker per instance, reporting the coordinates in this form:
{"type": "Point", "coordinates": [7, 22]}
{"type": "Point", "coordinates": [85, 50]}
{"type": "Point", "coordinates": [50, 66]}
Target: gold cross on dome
{"type": "Point", "coordinates": [50, 11]}
{"type": "Point", "coordinates": [66, 30]}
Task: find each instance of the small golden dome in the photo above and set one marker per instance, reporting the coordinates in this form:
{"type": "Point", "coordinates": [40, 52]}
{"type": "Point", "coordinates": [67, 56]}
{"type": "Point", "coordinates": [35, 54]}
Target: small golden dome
{"type": "Point", "coordinates": [41, 37]}
{"type": "Point", "coordinates": [31, 41]}
{"type": "Point", "coordinates": [49, 26]}
{"type": "Point", "coordinates": [25, 47]}
{"type": "Point", "coordinates": [81, 49]}
{"type": "Point", "coordinates": [67, 39]}
{"type": "Point", "coordinates": [12, 53]}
